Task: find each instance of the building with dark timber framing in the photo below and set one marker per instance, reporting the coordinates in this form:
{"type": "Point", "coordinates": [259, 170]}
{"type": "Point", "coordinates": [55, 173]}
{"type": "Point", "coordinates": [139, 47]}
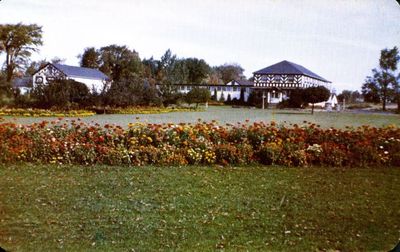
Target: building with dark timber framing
{"type": "Point", "coordinates": [276, 81]}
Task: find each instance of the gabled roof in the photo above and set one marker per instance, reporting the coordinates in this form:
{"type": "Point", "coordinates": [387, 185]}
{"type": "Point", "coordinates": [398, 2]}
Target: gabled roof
{"type": "Point", "coordinates": [83, 72]}
{"type": "Point", "coordinates": [287, 67]}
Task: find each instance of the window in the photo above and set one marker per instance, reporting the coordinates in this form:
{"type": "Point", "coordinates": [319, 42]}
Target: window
{"type": "Point", "coordinates": [39, 80]}
{"type": "Point", "coordinates": [235, 89]}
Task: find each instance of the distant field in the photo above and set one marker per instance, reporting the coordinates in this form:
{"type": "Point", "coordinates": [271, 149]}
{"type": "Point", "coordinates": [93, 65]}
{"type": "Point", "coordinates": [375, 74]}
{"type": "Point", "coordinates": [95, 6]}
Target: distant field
{"type": "Point", "coordinates": [234, 115]}
{"type": "Point", "coordinates": [76, 208]}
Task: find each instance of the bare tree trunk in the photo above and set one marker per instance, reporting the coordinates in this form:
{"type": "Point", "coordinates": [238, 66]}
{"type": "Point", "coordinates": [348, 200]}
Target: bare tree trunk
{"type": "Point", "coordinates": [312, 109]}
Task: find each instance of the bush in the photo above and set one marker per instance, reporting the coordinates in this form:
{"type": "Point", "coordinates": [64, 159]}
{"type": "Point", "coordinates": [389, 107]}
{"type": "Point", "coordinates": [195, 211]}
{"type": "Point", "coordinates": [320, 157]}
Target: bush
{"type": "Point", "coordinates": [62, 94]}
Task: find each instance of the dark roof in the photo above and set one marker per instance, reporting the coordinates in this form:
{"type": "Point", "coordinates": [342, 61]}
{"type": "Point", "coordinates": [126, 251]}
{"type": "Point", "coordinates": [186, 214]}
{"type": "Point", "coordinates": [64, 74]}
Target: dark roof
{"type": "Point", "coordinates": [245, 82]}
{"type": "Point", "coordinates": [286, 67]}
{"type": "Point", "coordinates": [22, 82]}
{"type": "Point", "coordinates": [83, 72]}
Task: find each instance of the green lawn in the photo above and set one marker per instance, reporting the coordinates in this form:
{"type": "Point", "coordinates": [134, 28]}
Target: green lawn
{"type": "Point", "coordinates": [77, 208]}
{"type": "Point", "coordinates": [234, 115]}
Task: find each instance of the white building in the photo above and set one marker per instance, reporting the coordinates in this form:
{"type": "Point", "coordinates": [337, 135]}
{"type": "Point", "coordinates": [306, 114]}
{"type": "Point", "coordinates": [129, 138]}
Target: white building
{"type": "Point", "coordinates": [94, 79]}
{"type": "Point", "coordinates": [231, 89]}
{"type": "Point", "coordinates": [277, 81]}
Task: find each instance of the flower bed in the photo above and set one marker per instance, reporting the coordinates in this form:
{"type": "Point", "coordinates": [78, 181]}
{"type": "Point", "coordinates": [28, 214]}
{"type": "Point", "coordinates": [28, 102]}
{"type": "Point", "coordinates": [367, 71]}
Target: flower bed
{"type": "Point", "coordinates": [44, 113]}
{"type": "Point", "coordinates": [148, 110]}
{"type": "Point", "coordinates": [202, 143]}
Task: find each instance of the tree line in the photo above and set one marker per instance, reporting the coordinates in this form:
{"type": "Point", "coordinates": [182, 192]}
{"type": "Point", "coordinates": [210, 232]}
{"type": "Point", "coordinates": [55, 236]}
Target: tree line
{"type": "Point", "coordinates": [133, 79]}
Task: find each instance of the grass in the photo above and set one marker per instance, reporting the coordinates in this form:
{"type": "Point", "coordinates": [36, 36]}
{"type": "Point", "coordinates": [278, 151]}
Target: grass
{"type": "Point", "coordinates": [233, 115]}
{"type": "Point", "coordinates": [78, 208]}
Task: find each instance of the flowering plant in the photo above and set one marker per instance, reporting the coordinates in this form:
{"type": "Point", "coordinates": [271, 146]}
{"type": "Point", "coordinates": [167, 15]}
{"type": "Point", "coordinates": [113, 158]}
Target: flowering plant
{"type": "Point", "coordinates": [74, 142]}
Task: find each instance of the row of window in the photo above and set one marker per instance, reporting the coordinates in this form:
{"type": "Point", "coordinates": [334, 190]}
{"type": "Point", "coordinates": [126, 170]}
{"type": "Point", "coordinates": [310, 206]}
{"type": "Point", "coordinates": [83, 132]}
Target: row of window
{"type": "Point", "coordinates": [263, 84]}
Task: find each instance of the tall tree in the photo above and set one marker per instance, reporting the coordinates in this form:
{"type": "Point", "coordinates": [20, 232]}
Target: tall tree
{"type": "Point", "coordinates": [18, 42]}
{"type": "Point", "coordinates": [198, 70]}
{"type": "Point", "coordinates": [119, 62]}
{"type": "Point", "coordinates": [90, 58]}
{"type": "Point", "coordinates": [230, 72]}
{"type": "Point", "coordinates": [384, 83]}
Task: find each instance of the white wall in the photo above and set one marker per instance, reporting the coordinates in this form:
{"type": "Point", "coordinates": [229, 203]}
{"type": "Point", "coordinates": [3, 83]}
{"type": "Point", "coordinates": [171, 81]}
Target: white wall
{"type": "Point", "coordinates": [232, 90]}
{"type": "Point", "coordinates": [92, 84]}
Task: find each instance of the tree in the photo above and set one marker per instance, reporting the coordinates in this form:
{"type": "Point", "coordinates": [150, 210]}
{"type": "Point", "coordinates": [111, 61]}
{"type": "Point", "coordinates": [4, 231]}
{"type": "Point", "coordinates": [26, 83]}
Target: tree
{"type": "Point", "coordinates": [222, 97]}
{"type": "Point", "coordinates": [90, 58]}
{"type": "Point", "coordinates": [229, 99]}
{"type": "Point", "coordinates": [315, 94]}
{"type": "Point", "coordinates": [198, 70]}
{"type": "Point", "coordinates": [215, 95]}
{"type": "Point", "coordinates": [384, 83]}
{"type": "Point", "coordinates": [255, 98]}
{"type": "Point", "coordinates": [126, 92]}
{"type": "Point", "coordinates": [198, 95]}
{"type": "Point", "coordinates": [117, 62]}
{"type": "Point", "coordinates": [229, 72]}
{"type": "Point", "coordinates": [349, 96]}
{"type": "Point", "coordinates": [170, 71]}
{"type": "Point", "coordinates": [296, 99]}
{"type": "Point", "coordinates": [18, 42]}
{"type": "Point", "coordinates": [241, 99]}
{"type": "Point", "coordinates": [151, 70]}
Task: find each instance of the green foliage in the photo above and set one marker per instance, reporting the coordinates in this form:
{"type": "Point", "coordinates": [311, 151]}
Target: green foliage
{"type": "Point", "coordinates": [255, 98]}
{"type": "Point", "coordinates": [315, 94]}
{"type": "Point", "coordinates": [61, 94]}
{"type": "Point", "coordinates": [117, 62]}
{"type": "Point", "coordinates": [384, 85]}
{"type": "Point", "coordinates": [198, 70]}
{"type": "Point", "coordinates": [222, 97]}
{"type": "Point", "coordinates": [296, 99]}
{"type": "Point", "coordinates": [349, 96]}
{"type": "Point", "coordinates": [90, 58]}
{"type": "Point", "coordinates": [229, 72]}
{"type": "Point", "coordinates": [215, 95]}
{"type": "Point", "coordinates": [18, 42]}
{"type": "Point", "coordinates": [131, 91]}
{"type": "Point", "coordinates": [198, 95]}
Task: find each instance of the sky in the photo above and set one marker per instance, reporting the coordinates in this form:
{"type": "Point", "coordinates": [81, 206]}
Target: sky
{"type": "Point", "coordinates": [339, 40]}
